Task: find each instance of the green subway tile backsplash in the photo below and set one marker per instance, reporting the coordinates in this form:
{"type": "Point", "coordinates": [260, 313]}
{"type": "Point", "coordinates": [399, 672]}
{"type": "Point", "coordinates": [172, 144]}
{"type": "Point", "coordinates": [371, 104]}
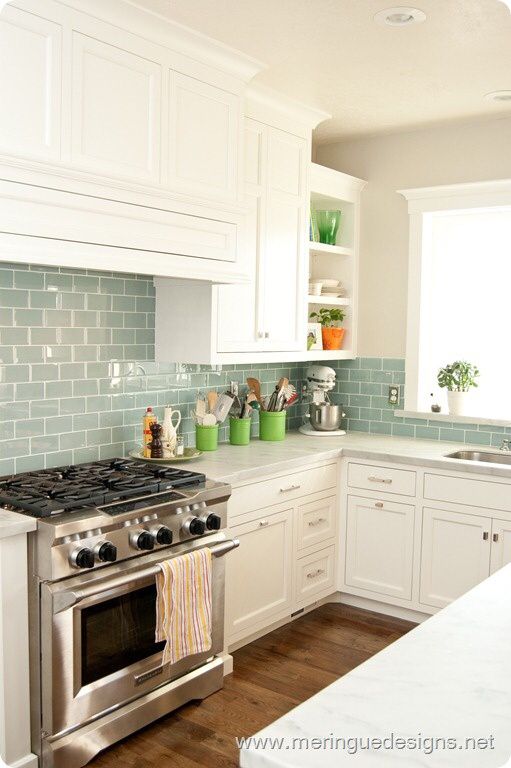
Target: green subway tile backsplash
{"type": "Point", "coordinates": [362, 388]}
{"type": "Point", "coordinates": [77, 371]}
{"type": "Point", "coordinates": [77, 367]}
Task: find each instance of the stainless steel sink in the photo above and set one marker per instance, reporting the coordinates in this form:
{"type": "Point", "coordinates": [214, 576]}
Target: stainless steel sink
{"type": "Point", "coordinates": [487, 456]}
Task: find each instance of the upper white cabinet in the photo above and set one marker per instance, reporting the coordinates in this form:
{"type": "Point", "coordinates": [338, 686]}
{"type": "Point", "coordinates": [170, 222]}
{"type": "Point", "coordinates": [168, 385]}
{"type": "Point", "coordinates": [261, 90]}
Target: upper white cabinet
{"type": "Point", "coordinates": [116, 110]}
{"type": "Point", "coordinates": [267, 315]}
{"type": "Point", "coordinates": [203, 138]}
{"type": "Point", "coordinates": [102, 101]}
{"type": "Point", "coordinates": [270, 317]}
{"type": "Point", "coordinates": [30, 85]}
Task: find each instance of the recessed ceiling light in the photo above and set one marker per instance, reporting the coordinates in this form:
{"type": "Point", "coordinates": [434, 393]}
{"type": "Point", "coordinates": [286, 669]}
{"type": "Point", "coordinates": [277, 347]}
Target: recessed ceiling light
{"type": "Point", "coordinates": [400, 16]}
{"type": "Point", "coordinates": [498, 96]}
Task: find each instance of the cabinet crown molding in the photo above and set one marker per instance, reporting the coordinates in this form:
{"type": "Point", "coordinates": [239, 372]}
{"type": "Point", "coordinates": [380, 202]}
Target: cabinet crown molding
{"type": "Point", "coordinates": [260, 95]}
{"type": "Point", "coordinates": [162, 30]}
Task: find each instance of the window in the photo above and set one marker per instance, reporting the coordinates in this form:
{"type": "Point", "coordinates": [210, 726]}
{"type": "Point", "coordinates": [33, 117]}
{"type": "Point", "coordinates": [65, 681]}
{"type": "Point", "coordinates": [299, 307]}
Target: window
{"type": "Point", "coordinates": [460, 294]}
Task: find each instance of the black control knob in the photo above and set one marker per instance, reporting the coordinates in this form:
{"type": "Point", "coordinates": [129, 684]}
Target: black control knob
{"type": "Point", "coordinates": [145, 540]}
{"type": "Point", "coordinates": [163, 535]}
{"type": "Point", "coordinates": [213, 522]}
{"type": "Point", "coordinates": [197, 526]}
{"type": "Point", "coordinates": [107, 553]}
{"type": "Point", "coordinates": [84, 558]}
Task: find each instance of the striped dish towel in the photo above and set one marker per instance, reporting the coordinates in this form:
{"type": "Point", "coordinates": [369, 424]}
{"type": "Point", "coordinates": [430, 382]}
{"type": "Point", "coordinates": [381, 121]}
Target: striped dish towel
{"type": "Point", "coordinates": [183, 605]}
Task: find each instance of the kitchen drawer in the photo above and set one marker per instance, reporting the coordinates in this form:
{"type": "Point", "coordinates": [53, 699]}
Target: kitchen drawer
{"type": "Point", "coordinates": [314, 575]}
{"type": "Point", "coordinates": [276, 490]}
{"type": "Point", "coordinates": [461, 490]}
{"type": "Point", "coordinates": [316, 522]}
{"type": "Point", "coordinates": [382, 479]}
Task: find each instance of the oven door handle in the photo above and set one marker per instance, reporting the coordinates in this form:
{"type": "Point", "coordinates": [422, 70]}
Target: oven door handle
{"type": "Point", "coordinates": [64, 600]}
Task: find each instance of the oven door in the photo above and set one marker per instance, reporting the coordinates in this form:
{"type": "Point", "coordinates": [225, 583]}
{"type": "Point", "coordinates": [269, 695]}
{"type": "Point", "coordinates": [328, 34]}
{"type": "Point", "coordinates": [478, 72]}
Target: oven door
{"type": "Point", "coordinates": [97, 637]}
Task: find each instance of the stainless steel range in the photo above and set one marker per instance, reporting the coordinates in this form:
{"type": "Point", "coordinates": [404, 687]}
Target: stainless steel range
{"type": "Point", "coordinates": [96, 670]}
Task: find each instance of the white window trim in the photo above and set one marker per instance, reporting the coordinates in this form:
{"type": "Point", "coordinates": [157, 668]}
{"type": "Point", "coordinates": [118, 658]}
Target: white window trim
{"type": "Point", "coordinates": [421, 202]}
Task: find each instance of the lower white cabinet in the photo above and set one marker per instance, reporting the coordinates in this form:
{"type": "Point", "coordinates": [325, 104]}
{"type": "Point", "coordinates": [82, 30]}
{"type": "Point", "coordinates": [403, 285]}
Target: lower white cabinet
{"type": "Point", "coordinates": [455, 554]}
{"type": "Point", "coordinates": [287, 558]}
{"type": "Point", "coordinates": [314, 573]}
{"type": "Point", "coordinates": [501, 544]}
{"type": "Point", "coordinates": [258, 573]}
{"type": "Point", "coordinates": [379, 546]}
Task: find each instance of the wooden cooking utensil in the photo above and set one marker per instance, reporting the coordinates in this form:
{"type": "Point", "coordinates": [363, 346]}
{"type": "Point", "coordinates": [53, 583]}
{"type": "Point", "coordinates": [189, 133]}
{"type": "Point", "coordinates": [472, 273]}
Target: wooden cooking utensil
{"type": "Point", "coordinates": [255, 386]}
{"type": "Point", "coordinates": [212, 400]}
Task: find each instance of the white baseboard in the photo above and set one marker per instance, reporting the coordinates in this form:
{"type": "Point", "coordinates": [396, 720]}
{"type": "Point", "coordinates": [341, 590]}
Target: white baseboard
{"type": "Point", "coordinates": [28, 761]}
{"type": "Point", "coordinates": [384, 608]}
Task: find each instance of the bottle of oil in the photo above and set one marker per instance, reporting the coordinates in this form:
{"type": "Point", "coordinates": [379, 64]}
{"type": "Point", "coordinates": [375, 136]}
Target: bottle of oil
{"type": "Point", "coordinates": [148, 419]}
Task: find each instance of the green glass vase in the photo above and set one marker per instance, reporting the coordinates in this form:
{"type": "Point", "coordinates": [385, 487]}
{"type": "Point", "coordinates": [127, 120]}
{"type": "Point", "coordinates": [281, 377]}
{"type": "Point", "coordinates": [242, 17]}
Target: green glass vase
{"type": "Point", "coordinates": [328, 225]}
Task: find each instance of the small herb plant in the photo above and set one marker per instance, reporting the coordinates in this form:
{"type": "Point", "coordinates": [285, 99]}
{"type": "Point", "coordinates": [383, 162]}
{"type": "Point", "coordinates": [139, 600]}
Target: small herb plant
{"type": "Point", "coordinates": [328, 317]}
{"type": "Point", "coordinates": [459, 376]}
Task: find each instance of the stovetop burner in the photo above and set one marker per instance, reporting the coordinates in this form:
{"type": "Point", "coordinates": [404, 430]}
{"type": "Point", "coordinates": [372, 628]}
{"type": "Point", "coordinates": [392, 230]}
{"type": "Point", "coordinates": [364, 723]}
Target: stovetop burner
{"type": "Point", "coordinates": [64, 489]}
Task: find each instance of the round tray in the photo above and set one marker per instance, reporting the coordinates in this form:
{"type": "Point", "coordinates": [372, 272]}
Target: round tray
{"type": "Point", "coordinates": [190, 453]}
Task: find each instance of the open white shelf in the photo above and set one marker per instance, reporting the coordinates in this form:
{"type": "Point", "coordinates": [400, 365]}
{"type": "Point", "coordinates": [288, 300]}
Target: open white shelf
{"type": "Point", "coordinates": [334, 250]}
{"type": "Point", "coordinates": [330, 301]}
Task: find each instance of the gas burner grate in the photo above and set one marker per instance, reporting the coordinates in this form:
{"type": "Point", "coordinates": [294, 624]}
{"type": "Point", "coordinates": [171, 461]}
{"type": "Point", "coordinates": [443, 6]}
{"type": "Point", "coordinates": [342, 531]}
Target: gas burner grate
{"type": "Point", "coordinates": [74, 487]}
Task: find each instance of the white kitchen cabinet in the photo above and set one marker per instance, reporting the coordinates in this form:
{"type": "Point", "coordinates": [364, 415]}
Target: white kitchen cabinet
{"type": "Point", "coordinates": [203, 138]}
{"type": "Point", "coordinates": [287, 558]}
{"type": "Point", "coordinates": [314, 575]}
{"type": "Point", "coordinates": [272, 316]}
{"type": "Point", "coordinates": [116, 110]}
{"type": "Point", "coordinates": [125, 117]}
{"type": "Point", "coordinates": [30, 85]}
{"type": "Point", "coordinates": [455, 554]}
{"type": "Point", "coordinates": [267, 315]}
{"type": "Point", "coordinates": [501, 544]}
{"type": "Point", "coordinates": [259, 573]}
{"type": "Point", "coordinates": [379, 546]}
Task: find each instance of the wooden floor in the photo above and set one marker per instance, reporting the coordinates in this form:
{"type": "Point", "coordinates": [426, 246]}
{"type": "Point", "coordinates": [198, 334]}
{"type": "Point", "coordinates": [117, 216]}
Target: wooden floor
{"type": "Point", "coordinates": [271, 676]}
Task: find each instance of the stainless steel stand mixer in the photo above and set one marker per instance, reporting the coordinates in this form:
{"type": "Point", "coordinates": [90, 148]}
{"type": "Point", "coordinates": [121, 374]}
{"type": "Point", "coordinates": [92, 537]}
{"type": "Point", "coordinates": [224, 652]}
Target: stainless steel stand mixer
{"type": "Point", "coordinates": [324, 418]}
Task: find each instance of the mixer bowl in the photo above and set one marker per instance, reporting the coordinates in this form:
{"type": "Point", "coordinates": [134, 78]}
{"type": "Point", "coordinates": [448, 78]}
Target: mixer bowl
{"type": "Point", "coordinates": [325, 417]}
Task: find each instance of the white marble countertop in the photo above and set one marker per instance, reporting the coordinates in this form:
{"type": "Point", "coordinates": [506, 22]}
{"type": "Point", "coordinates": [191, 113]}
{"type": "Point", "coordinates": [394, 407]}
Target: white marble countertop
{"type": "Point", "coordinates": [11, 524]}
{"type": "Point", "coordinates": [235, 464]}
{"type": "Point", "coordinates": [448, 678]}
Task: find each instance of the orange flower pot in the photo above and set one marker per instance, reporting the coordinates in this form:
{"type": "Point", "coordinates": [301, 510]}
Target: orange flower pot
{"type": "Point", "coordinates": [332, 337]}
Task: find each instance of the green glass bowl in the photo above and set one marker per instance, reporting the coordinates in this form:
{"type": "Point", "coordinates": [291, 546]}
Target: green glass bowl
{"type": "Point", "coordinates": [328, 225]}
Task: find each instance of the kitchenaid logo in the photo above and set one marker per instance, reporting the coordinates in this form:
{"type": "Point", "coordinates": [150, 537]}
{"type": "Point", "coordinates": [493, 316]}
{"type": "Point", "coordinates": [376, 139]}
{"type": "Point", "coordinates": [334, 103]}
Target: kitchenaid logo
{"type": "Point", "coordinates": [139, 679]}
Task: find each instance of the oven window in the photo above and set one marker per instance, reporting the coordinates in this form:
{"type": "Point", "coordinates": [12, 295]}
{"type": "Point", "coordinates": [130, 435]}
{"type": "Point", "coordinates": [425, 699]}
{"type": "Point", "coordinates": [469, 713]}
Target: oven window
{"type": "Point", "coordinates": [117, 633]}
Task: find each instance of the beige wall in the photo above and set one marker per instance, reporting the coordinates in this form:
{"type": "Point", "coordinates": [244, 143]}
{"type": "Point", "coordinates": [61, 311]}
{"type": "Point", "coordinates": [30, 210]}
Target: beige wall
{"type": "Point", "coordinates": [442, 155]}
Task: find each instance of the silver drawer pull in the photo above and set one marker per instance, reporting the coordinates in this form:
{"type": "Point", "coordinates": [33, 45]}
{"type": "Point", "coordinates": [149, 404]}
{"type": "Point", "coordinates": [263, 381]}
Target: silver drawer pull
{"type": "Point", "coordinates": [263, 523]}
{"type": "Point", "coordinates": [315, 574]}
{"type": "Point", "coordinates": [290, 488]}
{"type": "Point", "coordinates": [318, 521]}
{"type": "Point", "coordinates": [373, 479]}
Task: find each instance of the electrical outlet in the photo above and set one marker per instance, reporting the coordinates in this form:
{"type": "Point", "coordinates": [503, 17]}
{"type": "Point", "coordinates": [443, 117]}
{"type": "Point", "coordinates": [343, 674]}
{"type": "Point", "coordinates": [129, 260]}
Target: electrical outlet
{"type": "Point", "coordinates": [393, 394]}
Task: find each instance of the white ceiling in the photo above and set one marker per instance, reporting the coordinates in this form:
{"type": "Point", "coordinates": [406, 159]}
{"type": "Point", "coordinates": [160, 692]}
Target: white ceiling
{"type": "Point", "coordinates": [330, 54]}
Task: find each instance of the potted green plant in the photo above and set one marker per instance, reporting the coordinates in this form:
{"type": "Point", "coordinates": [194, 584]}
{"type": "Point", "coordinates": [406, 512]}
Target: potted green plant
{"type": "Point", "coordinates": [458, 378]}
{"type": "Point", "coordinates": [331, 334]}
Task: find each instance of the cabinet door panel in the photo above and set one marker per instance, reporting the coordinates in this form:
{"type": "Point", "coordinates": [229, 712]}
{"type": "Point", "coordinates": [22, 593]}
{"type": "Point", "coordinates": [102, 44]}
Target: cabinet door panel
{"type": "Point", "coordinates": [282, 275]}
{"type": "Point", "coordinates": [30, 84]}
{"type": "Point", "coordinates": [501, 544]}
{"type": "Point", "coordinates": [379, 546]}
{"type": "Point", "coordinates": [238, 306]}
{"type": "Point", "coordinates": [284, 252]}
{"type": "Point", "coordinates": [258, 574]}
{"type": "Point", "coordinates": [203, 139]}
{"type": "Point", "coordinates": [455, 555]}
{"type": "Point", "coordinates": [115, 110]}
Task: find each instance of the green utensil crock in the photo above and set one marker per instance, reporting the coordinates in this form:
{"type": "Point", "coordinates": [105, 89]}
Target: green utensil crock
{"type": "Point", "coordinates": [206, 438]}
{"type": "Point", "coordinates": [239, 432]}
{"type": "Point", "coordinates": [272, 425]}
